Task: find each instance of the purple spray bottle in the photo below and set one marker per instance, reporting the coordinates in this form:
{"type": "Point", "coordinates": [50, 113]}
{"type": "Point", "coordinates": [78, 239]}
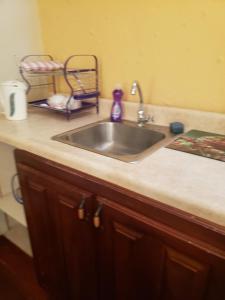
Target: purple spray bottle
{"type": "Point", "coordinates": [117, 109]}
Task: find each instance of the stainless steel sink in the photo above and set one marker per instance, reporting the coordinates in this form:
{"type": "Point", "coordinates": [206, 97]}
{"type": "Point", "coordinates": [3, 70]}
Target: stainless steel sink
{"type": "Point", "coordinates": [124, 141]}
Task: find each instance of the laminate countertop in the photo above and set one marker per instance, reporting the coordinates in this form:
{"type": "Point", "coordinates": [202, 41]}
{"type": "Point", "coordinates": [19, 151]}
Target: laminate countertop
{"type": "Point", "coordinates": [191, 183]}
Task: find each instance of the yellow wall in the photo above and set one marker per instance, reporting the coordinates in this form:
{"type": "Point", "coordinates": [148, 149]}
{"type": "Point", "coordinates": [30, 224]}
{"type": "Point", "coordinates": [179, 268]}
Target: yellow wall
{"type": "Point", "coordinates": [175, 48]}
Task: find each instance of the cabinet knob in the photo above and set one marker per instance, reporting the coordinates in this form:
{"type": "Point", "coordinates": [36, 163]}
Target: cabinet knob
{"type": "Point", "coordinates": [96, 219]}
{"type": "Point", "coordinates": [81, 211]}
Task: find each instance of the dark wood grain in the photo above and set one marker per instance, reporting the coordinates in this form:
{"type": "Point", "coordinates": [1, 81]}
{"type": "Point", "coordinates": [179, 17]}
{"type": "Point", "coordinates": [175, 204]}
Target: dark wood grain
{"type": "Point", "coordinates": [142, 257]}
{"type": "Point", "coordinates": [143, 249]}
{"type": "Point", "coordinates": [9, 288]}
{"type": "Point", "coordinates": [63, 245]}
{"type": "Point", "coordinates": [17, 276]}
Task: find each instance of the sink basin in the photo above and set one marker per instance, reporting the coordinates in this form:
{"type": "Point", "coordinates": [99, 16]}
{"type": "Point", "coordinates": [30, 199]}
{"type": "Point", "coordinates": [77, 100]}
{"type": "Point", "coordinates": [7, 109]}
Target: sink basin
{"type": "Point", "coordinates": [125, 141]}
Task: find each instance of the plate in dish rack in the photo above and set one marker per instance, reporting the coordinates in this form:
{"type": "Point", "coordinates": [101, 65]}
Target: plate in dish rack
{"type": "Point", "coordinates": [44, 104]}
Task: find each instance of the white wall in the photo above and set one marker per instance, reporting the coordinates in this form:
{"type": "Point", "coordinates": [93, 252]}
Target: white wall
{"type": "Point", "coordinates": [20, 35]}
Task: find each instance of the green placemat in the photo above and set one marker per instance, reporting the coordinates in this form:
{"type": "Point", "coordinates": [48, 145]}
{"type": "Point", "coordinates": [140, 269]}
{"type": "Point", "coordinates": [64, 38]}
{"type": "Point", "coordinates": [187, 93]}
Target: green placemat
{"type": "Point", "coordinates": [201, 143]}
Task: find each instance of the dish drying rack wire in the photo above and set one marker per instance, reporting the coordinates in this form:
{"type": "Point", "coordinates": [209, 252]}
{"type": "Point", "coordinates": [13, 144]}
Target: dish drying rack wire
{"type": "Point", "coordinates": [29, 75]}
{"type": "Point", "coordinates": [82, 81]}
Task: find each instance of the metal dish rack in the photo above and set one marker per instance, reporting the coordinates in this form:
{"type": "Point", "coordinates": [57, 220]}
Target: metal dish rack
{"type": "Point", "coordinates": [80, 73]}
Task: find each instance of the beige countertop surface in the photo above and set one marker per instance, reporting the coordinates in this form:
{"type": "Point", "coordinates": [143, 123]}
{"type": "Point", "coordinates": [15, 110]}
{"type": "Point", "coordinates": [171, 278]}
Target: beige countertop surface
{"type": "Point", "coordinates": [191, 183]}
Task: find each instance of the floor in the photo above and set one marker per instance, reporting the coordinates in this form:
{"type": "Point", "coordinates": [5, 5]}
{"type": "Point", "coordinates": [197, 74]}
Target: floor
{"type": "Point", "coordinates": [17, 276]}
{"type": "Point", "coordinates": [8, 288]}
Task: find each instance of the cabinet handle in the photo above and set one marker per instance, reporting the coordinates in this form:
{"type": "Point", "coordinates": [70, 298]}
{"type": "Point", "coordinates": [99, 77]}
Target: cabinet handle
{"type": "Point", "coordinates": [80, 211]}
{"type": "Point", "coordinates": [96, 219]}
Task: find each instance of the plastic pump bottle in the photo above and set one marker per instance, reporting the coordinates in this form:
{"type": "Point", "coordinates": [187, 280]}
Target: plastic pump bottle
{"type": "Point", "coordinates": [117, 109]}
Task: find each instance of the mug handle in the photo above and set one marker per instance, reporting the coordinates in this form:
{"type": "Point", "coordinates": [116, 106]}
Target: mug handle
{"type": "Point", "coordinates": [12, 104]}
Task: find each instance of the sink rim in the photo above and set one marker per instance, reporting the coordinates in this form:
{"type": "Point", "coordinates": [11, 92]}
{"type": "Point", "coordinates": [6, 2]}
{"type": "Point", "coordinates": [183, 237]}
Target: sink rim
{"type": "Point", "coordinates": [126, 157]}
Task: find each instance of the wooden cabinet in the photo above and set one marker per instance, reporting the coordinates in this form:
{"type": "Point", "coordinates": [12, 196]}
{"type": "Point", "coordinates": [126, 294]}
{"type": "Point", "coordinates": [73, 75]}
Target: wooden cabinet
{"type": "Point", "coordinates": [138, 262]}
{"type": "Point", "coordinates": [94, 241]}
{"type": "Point", "coordinates": [62, 240]}
{"type": "Point", "coordinates": [130, 256]}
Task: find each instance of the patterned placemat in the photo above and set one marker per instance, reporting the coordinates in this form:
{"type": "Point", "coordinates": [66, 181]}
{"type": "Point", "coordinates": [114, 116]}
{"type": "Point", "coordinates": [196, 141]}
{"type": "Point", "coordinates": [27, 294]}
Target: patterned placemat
{"type": "Point", "coordinates": [201, 143]}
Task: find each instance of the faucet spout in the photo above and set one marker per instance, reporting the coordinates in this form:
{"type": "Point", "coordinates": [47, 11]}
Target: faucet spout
{"type": "Point", "coordinates": [134, 88]}
{"type": "Point", "coordinates": [142, 118]}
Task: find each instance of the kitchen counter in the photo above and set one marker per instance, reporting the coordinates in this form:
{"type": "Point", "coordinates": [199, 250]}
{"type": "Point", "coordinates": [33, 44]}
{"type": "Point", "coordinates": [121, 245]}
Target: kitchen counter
{"type": "Point", "coordinates": [191, 183]}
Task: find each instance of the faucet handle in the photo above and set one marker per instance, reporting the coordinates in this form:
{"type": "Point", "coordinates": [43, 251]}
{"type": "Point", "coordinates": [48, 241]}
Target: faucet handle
{"type": "Point", "coordinates": [151, 118]}
{"type": "Point", "coordinates": [143, 118]}
{"type": "Point", "coordinates": [148, 118]}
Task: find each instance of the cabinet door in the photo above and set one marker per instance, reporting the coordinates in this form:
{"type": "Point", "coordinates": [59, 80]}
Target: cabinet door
{"type": "Point", "coordinates": [62, 243]}
{"type": "Point", "coordinates": [130, 257]}
{"type": "Point", "coordinates": [38, 198]}
{"type": "Point", "coordinates": [136, 262]}
{"type": "Point", "coordinates": [77, 238]}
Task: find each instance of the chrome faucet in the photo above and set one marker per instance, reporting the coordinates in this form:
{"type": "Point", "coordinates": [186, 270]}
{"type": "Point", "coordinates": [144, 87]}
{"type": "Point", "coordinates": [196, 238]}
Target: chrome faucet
{"type": "Point", "coordinates": [142, 117]}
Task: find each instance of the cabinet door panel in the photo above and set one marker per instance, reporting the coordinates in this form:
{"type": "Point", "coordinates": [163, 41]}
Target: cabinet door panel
{"type": "Point", "coordinates": [184, 277]}
{"type": "Point", "coordinates": [64, 248]}
{"type": "Point", "coordinates": [79, 249]}
{"type": "Point", "coordinates": [38, 196]}
{"type": "Point", "coordinates": [130, 258]}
